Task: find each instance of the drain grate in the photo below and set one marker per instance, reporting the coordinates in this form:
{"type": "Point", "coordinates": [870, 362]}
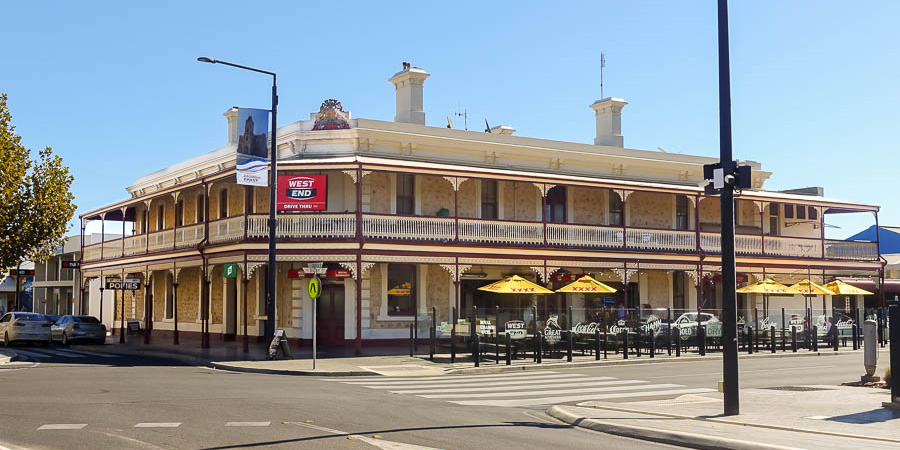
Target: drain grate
{"type": "Point", "coordinates": [797, 388]}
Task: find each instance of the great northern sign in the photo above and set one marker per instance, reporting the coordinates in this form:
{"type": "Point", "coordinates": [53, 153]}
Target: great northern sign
{"type": "Point", "coordinates": [302, 192]}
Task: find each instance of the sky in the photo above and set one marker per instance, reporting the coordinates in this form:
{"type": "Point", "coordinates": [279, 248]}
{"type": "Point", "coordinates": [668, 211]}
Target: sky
{"type": "Point", "coordinates": [115, 88]}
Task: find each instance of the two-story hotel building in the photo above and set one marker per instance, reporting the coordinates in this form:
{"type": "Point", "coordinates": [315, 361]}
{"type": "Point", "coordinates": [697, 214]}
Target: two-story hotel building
{"type": "Point", "coordinates": [418, 217]}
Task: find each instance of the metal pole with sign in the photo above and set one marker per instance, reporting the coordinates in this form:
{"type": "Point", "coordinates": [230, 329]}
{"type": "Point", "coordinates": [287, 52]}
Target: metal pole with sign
{"type": "Point", "coordinates": [314, 289]}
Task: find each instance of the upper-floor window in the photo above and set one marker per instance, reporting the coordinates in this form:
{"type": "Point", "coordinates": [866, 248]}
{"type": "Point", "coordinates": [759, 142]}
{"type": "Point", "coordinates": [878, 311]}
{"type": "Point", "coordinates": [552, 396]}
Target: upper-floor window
{"type": "Point", "coordinates": [813, 213]}
{"type": "Point", "coordinates": [406, 193]}
{"type": "Point", "coordinates": [788, 211]}
{"type": "Point", "coordinates": [555, 206]}
{"type": "Point", "coordinates": [145, 218]}
{"type": "Point", "coordinates": [488, 199]}
{"type": "Point", "coordinates": [201, 208]}
{"type": "Point", "coordinates": [223, 203]}
{"type": "Point", "coordinates": [615, 208]}
{"type": "Point", "coordinates": [179, 213]}
{"type": "Point", "coordinates": [801, 212]}
{"type": "Point", "coordinates": [681, 212]}
{"type": "Point", "coordinates": [161, 217]}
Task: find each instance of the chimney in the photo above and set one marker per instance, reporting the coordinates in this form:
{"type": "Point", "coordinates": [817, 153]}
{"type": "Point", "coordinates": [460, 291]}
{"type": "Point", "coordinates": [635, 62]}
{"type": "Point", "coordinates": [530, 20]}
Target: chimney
{"type": "Point", "coordinates": [609, 121]}
{"type": "Point", "coordinates": [409, 83]}
{"type": "Point", "coordinates": [231, 115]}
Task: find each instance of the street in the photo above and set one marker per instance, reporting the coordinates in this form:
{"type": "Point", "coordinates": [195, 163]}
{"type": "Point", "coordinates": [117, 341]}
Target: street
{"type": "Point", "coordinates": [85, 400]}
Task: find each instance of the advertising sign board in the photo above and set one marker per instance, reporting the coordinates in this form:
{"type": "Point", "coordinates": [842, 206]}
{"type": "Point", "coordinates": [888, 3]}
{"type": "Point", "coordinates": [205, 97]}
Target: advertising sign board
{"type": "Point", "coordinates": [302, 193]}
{"type": "Point", "coordinates": [252, 167]}
{"type": "Point", "coordinates": [515, 329]}
{"type": "Point", "coordinates": [71, 264]}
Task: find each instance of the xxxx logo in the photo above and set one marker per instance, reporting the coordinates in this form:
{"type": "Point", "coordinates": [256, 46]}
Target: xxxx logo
{"type": "Point", "coordinates": [523, 289]}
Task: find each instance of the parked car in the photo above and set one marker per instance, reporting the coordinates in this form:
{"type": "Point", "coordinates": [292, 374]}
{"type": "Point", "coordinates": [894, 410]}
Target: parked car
{"type": "Point", "coordinates": [70, 328]}
{"type": "Point", "coordinates": [687, 328]}
{"type": "Point", "coordinates": [51, 318]}
{"type": "Point", "coordinates": [24, 326]}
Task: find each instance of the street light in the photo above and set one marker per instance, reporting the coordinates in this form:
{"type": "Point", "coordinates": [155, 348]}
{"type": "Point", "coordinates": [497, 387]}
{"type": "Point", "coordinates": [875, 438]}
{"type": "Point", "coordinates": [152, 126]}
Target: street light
{"type": "Point", "coordinates": [273, 161]}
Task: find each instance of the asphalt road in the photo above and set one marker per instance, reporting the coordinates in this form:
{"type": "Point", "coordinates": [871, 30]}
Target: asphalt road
{"type": "Point", "coordinates": [102, 402]}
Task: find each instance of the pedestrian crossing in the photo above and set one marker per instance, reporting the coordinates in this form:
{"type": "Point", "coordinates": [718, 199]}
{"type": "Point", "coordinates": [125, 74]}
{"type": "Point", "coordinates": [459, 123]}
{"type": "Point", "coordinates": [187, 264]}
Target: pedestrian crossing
{"type": "Point", "coordinates": [522, 389]}
{"type": "Point", "coordinates": [45, 354]}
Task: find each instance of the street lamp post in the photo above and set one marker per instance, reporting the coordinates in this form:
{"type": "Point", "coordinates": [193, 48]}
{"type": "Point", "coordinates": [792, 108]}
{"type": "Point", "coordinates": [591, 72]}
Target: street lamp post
{"type": "Point", "coordinates": [273, 161]}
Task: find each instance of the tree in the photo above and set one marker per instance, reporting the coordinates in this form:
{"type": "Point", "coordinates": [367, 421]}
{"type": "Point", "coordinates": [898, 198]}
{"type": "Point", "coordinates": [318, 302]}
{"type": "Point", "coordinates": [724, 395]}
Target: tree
{"type": "Point", "coordinates": [35, 202]}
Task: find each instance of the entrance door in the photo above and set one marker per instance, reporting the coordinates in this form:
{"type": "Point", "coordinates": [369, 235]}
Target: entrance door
{"type": "Point", "coordinates": [230, 309]}
{"type": "Point", "coordinates": [330, 315]}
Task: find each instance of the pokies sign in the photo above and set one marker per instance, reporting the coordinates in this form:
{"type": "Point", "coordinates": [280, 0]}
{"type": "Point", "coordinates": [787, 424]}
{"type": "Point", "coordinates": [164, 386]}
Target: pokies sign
{"type": "Point", "coordinates": [302, 192]}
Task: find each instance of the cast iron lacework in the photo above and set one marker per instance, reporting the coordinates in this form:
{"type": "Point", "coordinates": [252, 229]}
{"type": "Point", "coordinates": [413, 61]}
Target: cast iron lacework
{"type": "Point", "coordinates": [331, 116]}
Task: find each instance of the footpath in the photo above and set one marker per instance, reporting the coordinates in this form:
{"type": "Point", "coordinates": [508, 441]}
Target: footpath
{"type": "Point", "coordinates": [788, 417]}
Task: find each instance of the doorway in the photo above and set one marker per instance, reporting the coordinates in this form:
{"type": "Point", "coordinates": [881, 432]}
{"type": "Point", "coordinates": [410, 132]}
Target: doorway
{"type": "Point", "coordinates": [330, 315]}
{"type": "Point", "coordinates": [230, 309]}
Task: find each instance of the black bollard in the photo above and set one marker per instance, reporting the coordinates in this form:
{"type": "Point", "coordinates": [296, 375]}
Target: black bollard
{"type": "Point", "coordinates": [540, 347]}
{"type": "Point", "coordinates": [815, 338]}
{"type": "Point", "coordinates": [749, 340]}
{"type": "Point", "coordinates": [412, 342]}
{"type": "Point", "coordinates": [855, 337]}
{"type": "Point", "coordinates": [701, 339]}
{"type": "Point", "coordinates": [497, 350]}
{"type": "Point", "coordinates": [476, 350]}
{"type": "Point", "coordinates": [835, 340]}
{"type": "Point", "coordinates": [794, 339]}
{"type": "Point", "coordinates": [772, 338]}
{"type": "Point", "coordinates": [638, 338]}
{"type": "Point", "coordinates": [570, 341]}
{"type": "Point", "coordinates": [652, 344]}
{"type": "Point", "coordinates": [597, 345]}
{"type": "Point", "coordinates": [508, 350]}
{"type": "Point", "coordinates": [432, 335]}
{"type": "Point", "coordinates": [669, 331]}
{"type": "Point", "coordinates": [677, 332]}
{"type": "Point", "coordinates": [605, 342]}
{"type": "Point", "coordinates": [625, 344]}
{"type": "Point", "coordinates": [452, 334]}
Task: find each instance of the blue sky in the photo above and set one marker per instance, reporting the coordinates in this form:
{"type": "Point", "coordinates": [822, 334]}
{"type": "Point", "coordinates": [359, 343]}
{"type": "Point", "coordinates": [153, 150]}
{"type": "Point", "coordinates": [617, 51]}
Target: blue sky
{"type": "Point", "coordinates": [114, 87]}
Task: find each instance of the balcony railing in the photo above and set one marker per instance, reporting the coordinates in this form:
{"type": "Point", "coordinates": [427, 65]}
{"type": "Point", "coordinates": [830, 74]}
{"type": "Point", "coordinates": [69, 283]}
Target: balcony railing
{"type": "Point", "coordinates": [324, 226]}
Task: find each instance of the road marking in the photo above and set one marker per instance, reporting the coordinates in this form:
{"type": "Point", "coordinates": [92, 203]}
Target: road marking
{"type": "Point", "coordinates": [86, 353]}
{"type": "Point", "coordinates": [572, 398]}
{"type": "Point", "coordinates": [380, 443]}
{"type": "Point", "coordinates": [32, 354]}
{"type": "Point", "coordinates": [62, 426]}
{"type": "Point", "coordinates": [363, 380]}
{"type": "Point", "coordinates": [557, 391]}
{"type": "Point", "coordinates": [719, 373]}
{"type": "Point", "coordinates": [461, 379]}
{"type": "Point", "coordinates": [517, 388]}
{"type": "Point", "coordinates": [248, 424]}
{"type": "Point", "coordinates": [64, 353]}
{"type": "Point", "coordinates": [559, 378]}
{"type": "Point", "coordinates": [158, 425]}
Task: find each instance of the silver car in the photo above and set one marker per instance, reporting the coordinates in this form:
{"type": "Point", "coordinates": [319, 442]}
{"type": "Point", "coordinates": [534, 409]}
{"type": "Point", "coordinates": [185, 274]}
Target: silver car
{"type": "Point", "coordinates": [68, 329]}
{"type": "Point", "coordinates": [24, 326]}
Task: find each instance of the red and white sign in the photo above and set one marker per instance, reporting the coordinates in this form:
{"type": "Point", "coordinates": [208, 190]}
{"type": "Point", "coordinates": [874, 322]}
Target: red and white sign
{"type": "Point", "coordinates": [302, 193]}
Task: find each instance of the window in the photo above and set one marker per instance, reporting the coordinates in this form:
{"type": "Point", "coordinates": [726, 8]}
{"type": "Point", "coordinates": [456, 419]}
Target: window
{"type": "Point", "coordinates": [262, 279]}
{"type": "Point", "coordinates": [401, 289]}
{"type": "Point", "coordinates": [170, 305]}
{"type": "Point", "coordinates": [160, 217]}
{"type": "Point", "coordinates": [6, 318]}
{"type": "Point", "coordinates": [773, 226]}
{"type": "Point", "coordinates": [223, 203]}
{"type": "Point", "coordinates": [788, 211]}
{"type": "Point", "coordinates": [406, 196]}
{"type": "Point", "coordinates": [678, 290]}
{"type": "Point", "coordinates": [813, 213]}
{"type": "Point", "coordinates": [179, 213]}
{"type": "Point", "coordinates": [615, 209]}
{"type": "Point", "coordinates": [681, 212]}
{"type": "Point", "coordinates": [555, 205]}
{"type": "Point", "coordinates": [801, 212]}
{"type": "Point", "coordinates": [144, 221]}
{"type": "Point", "coordinates": [774, 209]}
{"type": "Point", "coordinates": [488, 199]}
{"type": "Point", "coordinates": [201, 209]}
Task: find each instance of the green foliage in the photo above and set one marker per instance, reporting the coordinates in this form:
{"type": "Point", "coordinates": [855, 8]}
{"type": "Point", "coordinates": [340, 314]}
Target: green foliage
{"type": "Point", "coordinates": [35, 202]}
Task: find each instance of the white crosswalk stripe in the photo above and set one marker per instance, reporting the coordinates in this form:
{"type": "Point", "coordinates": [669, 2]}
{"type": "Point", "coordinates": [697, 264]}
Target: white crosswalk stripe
{"type": "Point", "coordinates": [96, 354]}
{"type": "Point", "coordinates": [47, 353]}
{"type": "Point", "coordinates": [521, 389]}
{"type": "Point", "coordinates": [31, 354]}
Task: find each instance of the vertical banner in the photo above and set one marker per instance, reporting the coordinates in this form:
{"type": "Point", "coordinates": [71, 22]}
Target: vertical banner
{"type": "Point", "coordinates": [302, 193]}
{"type": "Point", "coordinates": [252, 151]}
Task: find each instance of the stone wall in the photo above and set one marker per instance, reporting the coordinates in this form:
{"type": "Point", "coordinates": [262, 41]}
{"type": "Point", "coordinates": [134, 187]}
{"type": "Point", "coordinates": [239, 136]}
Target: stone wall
{"type": "Point", "coordinates": [468, 204]}
{"type": "Point", "coordinates": [189, 295]}
{"type": "Point", "coordinates": [658, 289]}
{"type": "Point", "coordinates": [590, 208]}
{"type": "Point", "coordinates": [379, 184]}
{"type": "Point", "coordinates": [437, 289]}
{"type": "Point", "coordinates": [710, 211]}
{"type": "Point", "coordinates": [217, 293]}
{"type": "Point", "coordinates": [749, 213]}
{"type": "Point", "coordinates": [284, 297]}
{"type": "Point", "coordinates": [522, 201]}
{"type": "Point", "coordinates": [651, 210]}
{"type": "Point", "coordinates": [159, 295]}
{"type": "Point", "coordinates": [261, 196]}
{"type": "Point", "coordinates": [435, 193]}
{"type": "Point", "coordinates": [235, 199]}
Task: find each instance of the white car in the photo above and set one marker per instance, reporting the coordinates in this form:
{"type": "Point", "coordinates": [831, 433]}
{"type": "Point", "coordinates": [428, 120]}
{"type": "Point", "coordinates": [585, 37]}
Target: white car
{"type": "Point", "coordinates": [24, 326]}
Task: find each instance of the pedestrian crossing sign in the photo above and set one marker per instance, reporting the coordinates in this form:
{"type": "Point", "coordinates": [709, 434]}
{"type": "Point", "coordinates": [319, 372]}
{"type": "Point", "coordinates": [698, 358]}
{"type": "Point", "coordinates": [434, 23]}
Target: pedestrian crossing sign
{"type": "Point", "coordinates": [314, 288]}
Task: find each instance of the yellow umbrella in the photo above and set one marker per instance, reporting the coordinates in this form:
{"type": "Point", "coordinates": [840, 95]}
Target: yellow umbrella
{"type": "Point", "coordinates": [587, 284]}
{"type": "Point", "coordinates": [515, 285]}
{"type": "Point", "coordinates": [767, 286]}
{"type": "Point", "coordinates": [809, 287]}
{"type": "Point", "coordinates": [838, 287]}
{"type": "Point", "coordinates": [403, 289]}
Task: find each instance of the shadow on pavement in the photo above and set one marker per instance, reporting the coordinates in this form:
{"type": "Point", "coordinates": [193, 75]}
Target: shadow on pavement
{"type": "Point", "coordinates": [873, 416]}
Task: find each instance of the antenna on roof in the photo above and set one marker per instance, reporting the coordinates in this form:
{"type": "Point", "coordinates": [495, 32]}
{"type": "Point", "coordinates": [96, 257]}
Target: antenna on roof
{"type": "Point", "coordinates": [449, 123]}
{"type": "Point", "coordinates": [465, 116]}
{"type": "Point", "coordinates": [487, 126]}
{"type": "Point", "coordinates": [602, 66]}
